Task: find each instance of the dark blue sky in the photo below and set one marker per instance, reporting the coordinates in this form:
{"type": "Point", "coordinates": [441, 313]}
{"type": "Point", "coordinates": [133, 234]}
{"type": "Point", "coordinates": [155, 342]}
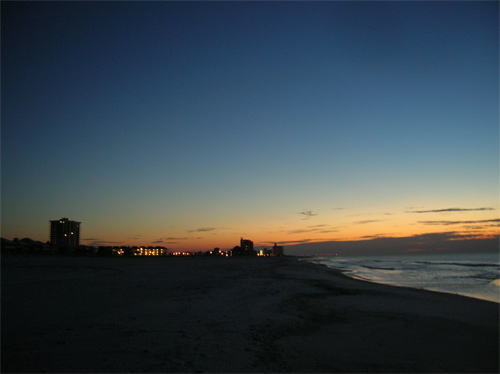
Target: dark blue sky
{"type": "Point", "coordinates": [154, 121]}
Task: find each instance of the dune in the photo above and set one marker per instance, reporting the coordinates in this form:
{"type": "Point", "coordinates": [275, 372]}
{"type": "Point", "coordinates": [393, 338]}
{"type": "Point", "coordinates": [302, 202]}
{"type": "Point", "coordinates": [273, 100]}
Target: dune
{"type": "Point", "coordinates": [79, 314]}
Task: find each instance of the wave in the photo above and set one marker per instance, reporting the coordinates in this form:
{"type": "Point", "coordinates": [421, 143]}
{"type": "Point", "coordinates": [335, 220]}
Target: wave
{"type": "Point", "coordinates": [377, 267]}
{"type": "Point", "coordinates": [458, 274]}
{"type": "Point", "coordinates": [455, 264]}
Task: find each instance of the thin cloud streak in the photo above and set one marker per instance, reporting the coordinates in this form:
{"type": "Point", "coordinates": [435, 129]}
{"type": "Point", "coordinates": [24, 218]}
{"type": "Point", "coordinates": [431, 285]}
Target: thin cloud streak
{"type": "Point", "coordinates": [302, 231]}
{"type": "Point", "coordinates": [322, 228]}
{"type": "Point", "coordinates": [449, 210]}
{"type": "Point", "coordinates": [448, 223]}
{"type": "Point", "coordinates": [308, 213]}
{"type": "Point", "coordinates": [366, 222]}
{"type": "Point", "coordinates": [377, 236]}
{"type": "Point", "coordinates": [203, 229]}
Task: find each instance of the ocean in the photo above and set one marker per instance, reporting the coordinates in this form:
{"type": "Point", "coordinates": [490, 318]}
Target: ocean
{"type": "Point", "coordinates": [475, 275]}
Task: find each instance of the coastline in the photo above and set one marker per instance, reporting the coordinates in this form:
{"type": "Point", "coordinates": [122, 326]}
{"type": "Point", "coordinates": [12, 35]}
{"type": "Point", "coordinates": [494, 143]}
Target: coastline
{"type": "Point", "coordinates": [478, 281]}
{"type": "Point", "coordinates": [78, 314]}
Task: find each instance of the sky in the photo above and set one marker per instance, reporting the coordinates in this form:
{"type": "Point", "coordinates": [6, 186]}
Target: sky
{"type": "Point", "coordinates": [192, 124]}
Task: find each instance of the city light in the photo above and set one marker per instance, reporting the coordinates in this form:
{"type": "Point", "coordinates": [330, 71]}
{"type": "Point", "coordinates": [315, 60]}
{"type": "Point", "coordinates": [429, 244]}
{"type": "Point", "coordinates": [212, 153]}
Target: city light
{"type": "Point", "coordinates": [151, 251]}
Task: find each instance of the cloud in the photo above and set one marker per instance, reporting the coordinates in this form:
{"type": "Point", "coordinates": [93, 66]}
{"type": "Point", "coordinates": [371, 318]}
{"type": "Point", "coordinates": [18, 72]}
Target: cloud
{"type": "Point", "coordinates": [177, 240]}
{"type": "Point", "coordinates": [300, 231]}
{"type": "Point", "coordinates": [478, 226]}
{"type": "Point", "coordinates": [308, 213]}
{"type": "Point", "coordinates": [290, 242]}
{"type": "Point", "coordinates": [452, 242]}
{"type": "Point", "coordinates": [448, 223]}
{"type": "Point", "coordinates": [449, 210]}
{"type": "Point", "coordinates": [374, 236]}
{"type": "Point", "coordinates": [322, 229]}
{"type": "Point", "coordinates": [365, 222]}
{"type": "Point", "coordinates": [203, 229]}
{"type": "Point", "coordinates": [158, 241]}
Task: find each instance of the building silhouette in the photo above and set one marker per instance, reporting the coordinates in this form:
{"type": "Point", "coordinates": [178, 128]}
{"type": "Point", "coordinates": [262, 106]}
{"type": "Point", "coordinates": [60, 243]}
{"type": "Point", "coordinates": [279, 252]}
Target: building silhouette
{"type": "Point", "coordinates": [278, 250]}
{"type": "Point", "coordinates": [246, 245]}
{"type": "Point", "coordinates": [245, 249]}
{"type": "Point", "coordinates": [65, 232]}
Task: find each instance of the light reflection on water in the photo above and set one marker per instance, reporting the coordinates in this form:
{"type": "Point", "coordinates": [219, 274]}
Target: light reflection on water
{"type": "Point", "coordinates": [474, 275]}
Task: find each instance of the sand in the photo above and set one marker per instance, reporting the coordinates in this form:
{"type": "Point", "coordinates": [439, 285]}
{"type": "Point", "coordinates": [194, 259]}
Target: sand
{"type": "Point", "coordinates": [77, 314]}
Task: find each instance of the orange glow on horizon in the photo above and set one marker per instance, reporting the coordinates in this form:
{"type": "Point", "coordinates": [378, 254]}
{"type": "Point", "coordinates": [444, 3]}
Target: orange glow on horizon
{"type": "Point", "coordinates": [267, 239]}
{"type": "Point", "coordinates": [290, 228]}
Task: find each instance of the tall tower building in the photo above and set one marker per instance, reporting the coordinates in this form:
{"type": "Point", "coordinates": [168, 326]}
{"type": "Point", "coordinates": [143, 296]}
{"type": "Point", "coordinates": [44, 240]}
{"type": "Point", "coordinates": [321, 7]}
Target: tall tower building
{"type": "Point", "coordinates": [65, 232]}
{"type": "Point", "coordinates": [278, 250]}
{"type": "Point", "coordinates": [246, 246]}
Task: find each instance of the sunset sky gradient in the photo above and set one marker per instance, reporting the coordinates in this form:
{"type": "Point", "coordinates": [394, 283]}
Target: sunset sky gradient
{"type": "Point", "coordinates": [190, 125]}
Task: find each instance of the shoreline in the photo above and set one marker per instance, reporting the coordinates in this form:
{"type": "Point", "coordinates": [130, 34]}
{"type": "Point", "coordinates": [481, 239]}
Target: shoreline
{"type": "Point", "coordinates": [77, 314]}
{"type": "Point", "coordinates": [486, 296]}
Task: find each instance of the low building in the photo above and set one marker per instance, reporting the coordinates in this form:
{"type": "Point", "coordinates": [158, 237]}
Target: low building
{"type": "Point", "coordinates": [265, 252]}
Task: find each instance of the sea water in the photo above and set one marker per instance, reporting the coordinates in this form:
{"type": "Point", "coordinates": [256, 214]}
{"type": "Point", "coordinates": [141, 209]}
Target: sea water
{"type": "Point", "coordinates": [475, 275]}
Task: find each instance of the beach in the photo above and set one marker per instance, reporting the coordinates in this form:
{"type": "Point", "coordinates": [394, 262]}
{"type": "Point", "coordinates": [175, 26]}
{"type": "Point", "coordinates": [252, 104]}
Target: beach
{"type": "Point", "coordinates": [203, 314]}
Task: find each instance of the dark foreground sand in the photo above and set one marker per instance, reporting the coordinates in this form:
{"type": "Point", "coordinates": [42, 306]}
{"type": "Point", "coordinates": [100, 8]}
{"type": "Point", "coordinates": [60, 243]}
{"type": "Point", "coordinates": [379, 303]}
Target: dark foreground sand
{"type": "Point", "coordinates": [231, 315]}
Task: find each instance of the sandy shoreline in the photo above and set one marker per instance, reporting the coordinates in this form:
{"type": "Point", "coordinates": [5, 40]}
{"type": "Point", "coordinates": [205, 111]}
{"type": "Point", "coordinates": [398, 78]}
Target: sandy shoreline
{"type": "Point", "coordinates": [62, 314]}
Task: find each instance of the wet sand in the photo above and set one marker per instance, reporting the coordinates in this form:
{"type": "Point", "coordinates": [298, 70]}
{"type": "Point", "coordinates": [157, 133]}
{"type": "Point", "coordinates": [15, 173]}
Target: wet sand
{"type": "Point", "coordinates": [63, 314]}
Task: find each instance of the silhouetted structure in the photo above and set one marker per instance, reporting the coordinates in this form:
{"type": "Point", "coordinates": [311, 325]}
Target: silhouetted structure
{"type": "Point", "coordinates": [65, 232]}
{"type": "Point", "coordinates": [265, 252]}
{"type": "Point", "coordinates": [278, 250]}
{"type": "Point", "coordinates": [246, 245]}
{"type": "Point", "coordinates": [245, 248]}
